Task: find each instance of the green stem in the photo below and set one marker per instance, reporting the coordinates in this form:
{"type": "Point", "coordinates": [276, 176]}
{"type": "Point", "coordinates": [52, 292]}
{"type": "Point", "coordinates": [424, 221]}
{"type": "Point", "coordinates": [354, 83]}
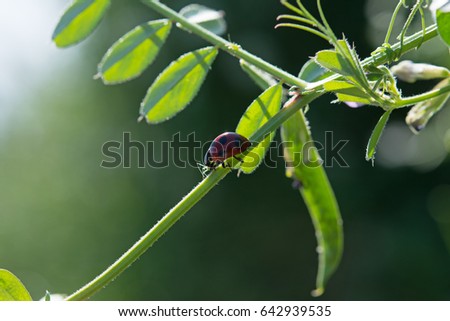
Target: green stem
{"type": "Point", "coordinates": [409, 43]}
{"type": "Point", "coordinates": [296, 18]}
{"type": "Point", "coordinates": [292, 8]}
{"type": "Point", "coordinates": [231, 48]}
{"type": "Point", "coordinates": [181, 208]}
{"type": "Point", "coordinates": [217, 175]}
{"type": "Point", "coordinates": [284, 114]}
{"type": "Point", "coordinates": [391, 24]}
{"type": "Point", "coordinates": [304, 28]}
{"type": "Point", "coordinates": [408, 101]}
{"type": "Point", "coordinates": [383, 57]}
{"type": "Point", "coordinates": [150, 237]}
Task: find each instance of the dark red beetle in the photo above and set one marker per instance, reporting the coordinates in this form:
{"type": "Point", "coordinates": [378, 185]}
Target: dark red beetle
{"type": "Point", "coordinates": [224, 146]}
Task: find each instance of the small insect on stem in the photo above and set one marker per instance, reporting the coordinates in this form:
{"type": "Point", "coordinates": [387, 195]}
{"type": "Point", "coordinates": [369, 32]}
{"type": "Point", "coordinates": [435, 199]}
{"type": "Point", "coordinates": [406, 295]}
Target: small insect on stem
{"type": "Point", "coordinates": [223, 147]}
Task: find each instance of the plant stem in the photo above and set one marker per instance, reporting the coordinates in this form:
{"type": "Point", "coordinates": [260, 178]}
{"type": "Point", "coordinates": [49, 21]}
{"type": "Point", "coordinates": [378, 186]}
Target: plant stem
{"type": "Point", "coordinates": [383, 56]}
{"type": "Point", "coordinates": [422, 97]}
{"type": "Point", "coordinates": [409, 43]}
{"type": "Point", "coordinates": [150, 237]}
{"type": "Point", "coordinates": [304, 28]}
{"type": "Point", "coordinates": [284, 114]}
{"type": "Point", "coordinates": [391, 24]}
{"type": "Point", "coordinates": [146, 241]}
{"type": "Point", "coordinates": [271, 125]}
{"type": "Point", "coordinates": [231, 48]}
{"type": "Point", "coordinates": [410, 18]}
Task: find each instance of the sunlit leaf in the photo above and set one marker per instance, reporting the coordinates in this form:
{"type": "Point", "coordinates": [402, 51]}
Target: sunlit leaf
{"type": "Point", "coordinates": [352, 59]}
{"type": "Point", "coordinates": [333, 61]}
{"type": "Point", "coordinates": [348, 93]}
{"type": "Point", "coordinates": [11, 289]}
{"type": "Point", "coordinates": [209, 19]}
{"type": "Point", "coordinates": [345, 63]}
{"type": "Point", "coordinates": [375, 137]}
{"type": "Point", "coordinates": [304, 166]}
{"type": "Point", "coordinates": [263, 79]}
{"type": "Point", "coordinates": [257, 114]}
{"type": "Point", "coordinates": [177, 85]}
{"type": "Point", "coordinates": [79, 21]}
{"type": "Point", "coordinates": [354, 99]}
{"type": "Point", "coordinates": [134, 52]}
{"type": "Point", "coordinates": [443, 22]}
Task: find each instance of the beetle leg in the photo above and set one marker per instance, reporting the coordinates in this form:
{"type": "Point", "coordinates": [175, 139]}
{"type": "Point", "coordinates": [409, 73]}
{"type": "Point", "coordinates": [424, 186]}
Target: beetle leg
{"type": "Point", "coordinates": [203, 169]}
{"type": "Point", "coordinates": [239, 159]}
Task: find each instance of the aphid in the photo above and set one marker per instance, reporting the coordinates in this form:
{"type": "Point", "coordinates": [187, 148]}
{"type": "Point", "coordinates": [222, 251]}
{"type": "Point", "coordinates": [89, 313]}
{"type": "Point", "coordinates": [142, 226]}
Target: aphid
{"type": "Point", "coordinates": [224, 146]}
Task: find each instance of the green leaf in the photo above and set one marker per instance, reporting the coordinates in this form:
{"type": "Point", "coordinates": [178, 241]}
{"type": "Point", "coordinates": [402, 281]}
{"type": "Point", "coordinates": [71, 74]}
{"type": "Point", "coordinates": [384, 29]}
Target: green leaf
{"type": "Point", "coordinates": [79, 21]}
{"type": "Point", "coordinates": [443, 23]}
{"type": "Point", "coordinates": [419, 115]}
{"type": "Point", "coordinates": [345, 88]}
{"type": "Point", "coordinates": [262, 79]}
{"type": "Point", "coordinates": [257, 114]}
{"type": "Point", "coordinates": [135, 51]}
{"type": "Point", "coordinates": [209, 19]}
{"type": "Point", "coordinates": [304, 166]}
{"type": "Point", "coordinates": [353, 60]}
{"type": "Point", "coordinates": [177, 85]}
{"type": "Point", "coordinates": [355, 99]}
{"type": "Point", "coordinates": [11, 289]}
{"type": "Point", "coordinates": [333, 61]}
{"type": "Point", "coordinates": [311, 72]}
{"type": "Point", "coordinates": [375, 137]}
{"type": "Point", "coordinates": [344, 62]}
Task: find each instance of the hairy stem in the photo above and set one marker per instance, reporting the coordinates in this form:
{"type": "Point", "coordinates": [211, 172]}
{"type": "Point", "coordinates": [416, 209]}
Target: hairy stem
{"type": "Point", "coordinates": [231, 48]}
{"type": "Point", "coordinates": [409, 43]}
{"type": "Point", "coordinates": [146, 241]}
{"type": "Point", "coordinates": [150, 237]}
{"type": "Point", "coordinates": [408, 101]}
{"type": "Point", "coordinates": [383, 57]}
{"type": "Point", "coordinates": [217, 175]}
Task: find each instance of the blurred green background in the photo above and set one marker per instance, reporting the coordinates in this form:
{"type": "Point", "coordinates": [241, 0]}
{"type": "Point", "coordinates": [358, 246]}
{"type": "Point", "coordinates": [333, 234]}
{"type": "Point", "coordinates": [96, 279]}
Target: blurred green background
{"type": "Point", "coordinates": [63, 218]}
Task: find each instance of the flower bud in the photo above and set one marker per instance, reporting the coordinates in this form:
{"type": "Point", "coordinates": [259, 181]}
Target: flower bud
{"type": "Point", "coordinates": [410, 72]}
{"type": "Point", "coordinates": [419, 115]}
